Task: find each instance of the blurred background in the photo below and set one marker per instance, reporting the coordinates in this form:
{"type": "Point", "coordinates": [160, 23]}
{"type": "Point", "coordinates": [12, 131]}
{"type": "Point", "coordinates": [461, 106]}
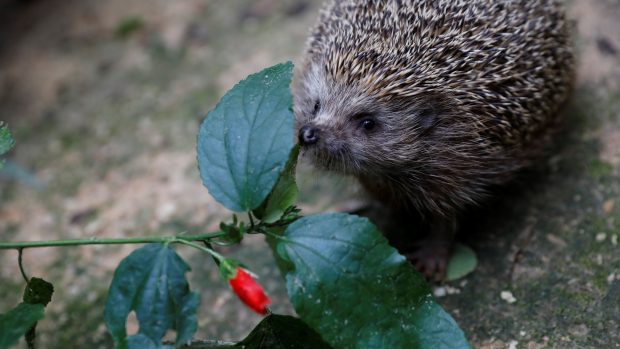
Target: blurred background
{"type": "Point", "coordinates": [105, 98]}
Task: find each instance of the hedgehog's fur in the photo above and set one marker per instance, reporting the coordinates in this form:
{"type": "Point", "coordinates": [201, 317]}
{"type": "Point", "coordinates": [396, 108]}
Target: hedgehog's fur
{"type": "Point", "coordinates": [463, 93]}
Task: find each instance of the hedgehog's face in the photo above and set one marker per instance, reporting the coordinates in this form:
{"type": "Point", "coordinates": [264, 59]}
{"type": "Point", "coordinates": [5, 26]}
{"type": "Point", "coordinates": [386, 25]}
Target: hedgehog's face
{"type": "Point", "coordinates": [342, 128]}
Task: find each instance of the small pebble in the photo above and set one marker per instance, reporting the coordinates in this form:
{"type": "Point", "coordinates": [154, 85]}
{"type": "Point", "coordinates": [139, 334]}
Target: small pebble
{"type": "Point", "coordinates": [513, 344]}
{"type": "Point", "coordinates": [508, 297]}
{"type": "Point", "coordinates": [600, 237]}
{"type": "Point", "coordinates": [599, 259]}
{"type": "Point", "coordinates": [556, 241]}
{"type": "Point", "coordinates": [443, 291]}
{"type": "Point", "coordinates": [611, 278]}
{"type": "Point", "coordinates": [452, 290]}
{"type": "Point", "coordinates": [606, 46]}
{"type": "Point", "coordinates": [439, 292]}
{"type": "Point", "coordinates": [579, 330]}
{"type": "Point", "coordinates": [608, 206]}
{"type": "Point", "coordinates": [614, 240]}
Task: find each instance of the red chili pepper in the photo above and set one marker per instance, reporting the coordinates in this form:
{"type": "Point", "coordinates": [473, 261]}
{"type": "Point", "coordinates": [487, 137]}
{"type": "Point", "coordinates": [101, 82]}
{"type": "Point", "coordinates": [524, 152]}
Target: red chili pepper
{"type": "Point", "coordinates": [250, 291]}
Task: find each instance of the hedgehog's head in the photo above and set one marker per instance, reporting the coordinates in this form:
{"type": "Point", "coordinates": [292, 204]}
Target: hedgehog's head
{"type": "Point", "coordinates": [350, 127]}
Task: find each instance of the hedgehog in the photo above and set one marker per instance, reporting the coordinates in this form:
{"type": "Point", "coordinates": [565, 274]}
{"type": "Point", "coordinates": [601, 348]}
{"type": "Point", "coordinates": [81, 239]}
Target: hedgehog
{"type": "Point", "coordinates": [432, 103]}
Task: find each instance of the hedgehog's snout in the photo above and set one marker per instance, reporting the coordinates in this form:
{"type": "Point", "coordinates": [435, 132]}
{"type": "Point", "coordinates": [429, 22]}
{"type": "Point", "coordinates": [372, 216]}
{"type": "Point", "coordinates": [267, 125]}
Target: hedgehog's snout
{"type": "Point", "coordinates": [308, 135]}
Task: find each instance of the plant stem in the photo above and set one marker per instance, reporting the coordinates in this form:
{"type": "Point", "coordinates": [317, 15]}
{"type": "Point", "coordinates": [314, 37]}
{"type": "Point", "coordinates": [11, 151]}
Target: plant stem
{"type": "Point", "coordinates": [215, 255]}
{"type": "Point", "coordinates": [275, 236]}
{"type": "Point", "coordinates": [251, 220]}
{"type": "Point", "coordinates": [210, 246]}
{"type": "Point", "coordinates": [98, 241]}
{"type": "Point", "coordinates": [21, 265]}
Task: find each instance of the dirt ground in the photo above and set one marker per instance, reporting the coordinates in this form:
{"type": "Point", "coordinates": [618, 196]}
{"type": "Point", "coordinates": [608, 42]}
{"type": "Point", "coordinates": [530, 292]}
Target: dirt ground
{"type": "Point", "coordinates": [105, 98]}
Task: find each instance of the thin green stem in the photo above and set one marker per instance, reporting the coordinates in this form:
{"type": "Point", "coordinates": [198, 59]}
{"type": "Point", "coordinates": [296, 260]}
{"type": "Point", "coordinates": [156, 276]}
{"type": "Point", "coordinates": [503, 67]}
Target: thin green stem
{"type": "Point", "coordinates": [251, 220]}
{"type": "Point", "coordinates": [275, 236]}
{"type": "Point", "coordinates": [98, 241]}
{"type": "Point", "coordinates": [215, 255]}
{"type": "Point", "coordinates": [21, 265]}
{"type": "Point", "coordinates": [210, 246]}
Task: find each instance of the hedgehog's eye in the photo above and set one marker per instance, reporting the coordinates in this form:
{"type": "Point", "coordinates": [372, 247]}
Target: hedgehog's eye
{"type": "Point", "coordinates": [365, 120]}
{"type": "Point", "coordinates": [317, 107]}
{"type": "Point", "coordinates": [368, 124]}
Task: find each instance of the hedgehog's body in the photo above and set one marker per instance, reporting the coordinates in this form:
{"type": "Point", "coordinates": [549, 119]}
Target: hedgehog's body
{"type": "Point", "coordinates": [431, 102]}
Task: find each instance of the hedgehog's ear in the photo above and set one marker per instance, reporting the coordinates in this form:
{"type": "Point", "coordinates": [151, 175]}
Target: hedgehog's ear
{"type": "Point", "coordinates": [427, 118]}
{"type": "Point", "coordinates": [432, 111]}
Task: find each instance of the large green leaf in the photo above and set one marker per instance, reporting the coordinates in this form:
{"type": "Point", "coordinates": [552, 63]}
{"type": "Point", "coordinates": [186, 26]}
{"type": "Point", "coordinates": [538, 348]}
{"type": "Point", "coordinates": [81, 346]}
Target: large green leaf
{"type": "Point", "coordinates": [151, 281]}
{"type": "Point", "coordinates": [244, 143]}
{"type": "Point", "coordinates": [282, 332]}
{"type": "Point", "coordinates": [356, 291]}
{"type": "Point", "coordinates": [15, 323]}
{"type": "Point", "coordinates": [141, 341]}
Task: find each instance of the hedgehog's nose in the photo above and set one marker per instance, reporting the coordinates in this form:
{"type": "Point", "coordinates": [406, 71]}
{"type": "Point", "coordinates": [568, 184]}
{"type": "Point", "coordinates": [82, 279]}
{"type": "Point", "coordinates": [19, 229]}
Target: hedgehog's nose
{"type": "Point", "coordinates": [308, 135]}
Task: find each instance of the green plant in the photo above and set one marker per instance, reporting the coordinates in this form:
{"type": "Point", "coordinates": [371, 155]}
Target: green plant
{"type": "Point", "coordinates": [128, 26]}
{"type": "Point", "coordinates": [349, 287]}
{"type": "Point", "coordinates": [6, 141]}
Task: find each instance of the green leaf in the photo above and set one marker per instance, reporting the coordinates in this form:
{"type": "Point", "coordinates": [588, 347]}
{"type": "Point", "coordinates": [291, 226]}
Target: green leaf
{"type": "Point", "coordinates": [38, 291]}
{"type": "Point", "coordinates": [279, 250]}
{"type": "Point", "coordinates": [128, 26]}
{"type": "Point", "coordinates": [244, 143]}
{"type": "Point", "coordinates": [6, 141]}
{"type": "Point", "coordinates": [140, 341]}
{"type": "Point", "coordinates": [356, 291]}
{"type": "Point", "coordinates": [15, 323]}
{"type": "Point", "coordinates": [284, 194]}
{"type": "Point", "coordinates": [151, 281]}
{"type": "Point", "coordinates": [282, 332]}
{"type": "Point", "coordinates": [462, 262]}
{"type": "Point", "coordinates": [234, 231]}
